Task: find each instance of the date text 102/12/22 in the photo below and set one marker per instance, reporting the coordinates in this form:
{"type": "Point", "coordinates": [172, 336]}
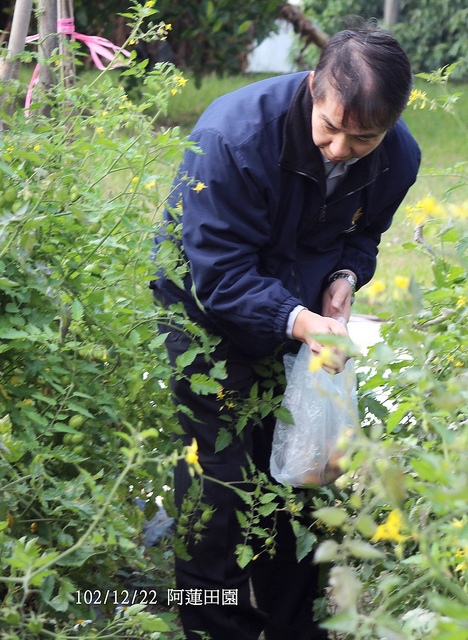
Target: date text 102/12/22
{"type": "Point", "coordinates": [123, 597]}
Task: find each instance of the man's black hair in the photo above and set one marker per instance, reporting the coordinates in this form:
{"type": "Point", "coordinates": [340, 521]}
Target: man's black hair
{"type": "Point", "coordinates": [370, 73]}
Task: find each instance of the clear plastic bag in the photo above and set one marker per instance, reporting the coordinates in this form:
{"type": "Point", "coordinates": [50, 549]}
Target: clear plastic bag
{"type": "Point", "coordinates": [324, 410]}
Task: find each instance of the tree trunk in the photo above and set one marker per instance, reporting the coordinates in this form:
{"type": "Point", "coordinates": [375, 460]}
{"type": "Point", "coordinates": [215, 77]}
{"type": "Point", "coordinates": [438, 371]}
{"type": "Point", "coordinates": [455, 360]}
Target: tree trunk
{"type": "Point", "coordinates": [305, 29]}
{"type": "Point", "coordinates": [9, 68]}
{"type": "Point", "coordinates": [48, 41]}
{"type": "Point", "coordinates": [391, 12]}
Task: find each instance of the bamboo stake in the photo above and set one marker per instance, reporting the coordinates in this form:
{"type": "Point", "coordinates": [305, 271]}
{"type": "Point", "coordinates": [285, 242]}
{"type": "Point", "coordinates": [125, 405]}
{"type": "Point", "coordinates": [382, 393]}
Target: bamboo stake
{"type": "Point", "coordinates": [48, 42]}
{"type": "Point", "coordinates": [9, 67]}
{"type": "Point", "coordinates": [65, 10]}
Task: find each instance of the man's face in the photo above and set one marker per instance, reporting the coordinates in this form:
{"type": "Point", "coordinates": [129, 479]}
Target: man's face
{"type": "Point", "coordinates": [336, 142]}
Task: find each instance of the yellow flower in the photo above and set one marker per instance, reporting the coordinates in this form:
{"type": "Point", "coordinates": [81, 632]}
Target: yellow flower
{"type": "Point", "coordinates": [191, 457]}
{"type": "Point", "coordinates": [459, 210]}
{"type": "Point", "coordinates": [402, 282]}
{"type": "Point", "coordinates": [375, 289]}
{"type": "Point", "coordinates": [390, 529]}
{"type": "Point", "coordinates": [135, 179]}
{"type": "Point", "coordinates": [174, 92]}
{"type": "Point", "coordinates": [462, 554]}
{"type": "Point", "coordinates": [180, 81]}
{"type": "Point", "coordinates": [199, 187]}
{"type": "Point", "coordinates": [326, 358]}
{"type": "Point", "coordinates": [458, 524]}
{"type": "Point", "coordinates": [150, 185]}
{"type": "Point", "coordinates": [169, 27]}
{"type": "Point", "coordinates": [430, 205]}
{"type": "Point", "coordinates": [37, 147]}
{"type": "Point", "coordinates": [418, 97]}
{"type": "Point", "coordinates": [424, 209]}
{"type": "Point", "coordinates": [149, 3]}
{"type": "Point", "coordinates": [461, 302]}
{"type": "Point", "coordinates": [99, 130]}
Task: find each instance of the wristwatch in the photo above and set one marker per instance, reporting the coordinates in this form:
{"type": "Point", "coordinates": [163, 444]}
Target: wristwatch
{"type": "Point", "coordinates": [343, 274]}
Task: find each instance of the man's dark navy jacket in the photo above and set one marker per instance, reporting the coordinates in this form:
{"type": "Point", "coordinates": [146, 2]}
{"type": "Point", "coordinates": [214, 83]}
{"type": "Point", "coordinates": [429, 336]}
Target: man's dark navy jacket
{"type": "Point", "coordinates": [259, 233]}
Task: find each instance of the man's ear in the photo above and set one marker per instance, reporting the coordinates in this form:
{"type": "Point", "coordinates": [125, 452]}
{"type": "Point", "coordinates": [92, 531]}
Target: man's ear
{"type": "Point", "coordinates": [311, 80]}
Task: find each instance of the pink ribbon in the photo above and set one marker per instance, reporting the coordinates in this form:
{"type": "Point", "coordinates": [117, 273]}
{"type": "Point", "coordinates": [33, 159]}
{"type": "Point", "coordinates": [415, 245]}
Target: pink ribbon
{"type": "Point", "coordinates": [98, 47]}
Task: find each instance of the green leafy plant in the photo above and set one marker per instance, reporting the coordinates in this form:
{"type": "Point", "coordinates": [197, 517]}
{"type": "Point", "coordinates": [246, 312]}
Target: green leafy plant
{"type": "Point", "coordinates": [400, 563]}
{"type": "Point", "coordinates": [86, 425]}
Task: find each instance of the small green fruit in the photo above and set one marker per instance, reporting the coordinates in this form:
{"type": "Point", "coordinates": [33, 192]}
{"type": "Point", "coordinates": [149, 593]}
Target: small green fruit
{"type": "Point", "coordinates": [76, 421]}
{"type": "Point", "coordinates": [12, 616]}
{"type": "Point", "coordinates": [35, 626]}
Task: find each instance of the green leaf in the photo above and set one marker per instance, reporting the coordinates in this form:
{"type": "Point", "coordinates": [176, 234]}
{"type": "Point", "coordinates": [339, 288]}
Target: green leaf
{"type": "Point", "coordinates": [242, 518]}
{"type": "Point", "coordinates": [9, 333]}
{"type": "Point", "coordinates": [284, 415]}
{"type": "Point", "coordinates": [450, 608]}
{"type": "Point", "coordinates": [396, 416]}
{"type": "Point", "coordinates": [345, 622]}
{"type": "Point", "coordinates": [268, 497]}
{"type": "Point", "coordinates": [366, 525]}
{"type": "Point", "coordinates": [244, 555]}
{"type": "Point", "coordinates": [331, 516]}
{"type": "Point", "coordinates": [153, 623]}
{"type": "Point", "coordinates": [383, 353]}
{"type": "Point", "coordinates": [6, 283]}
{"type": "Point", "coordinates": [245, 26]}
{"type": "Point", "coordinates": [203, 384]}
{"type": "Point", "coordinates": [223, 439]}
{"type": "Point", "coordinates": [64, 598]}
{"type": "Point", "coordinates": [305, 540]}
{"type": "Point", "coordinates": [219, 370]}
{"type": "Point", "coordinates": [364, 550]}
{"type": "Point", "coordinates": [327, 551]}
{"type": "Point", "coordinates": [77, 310]}
{"type": "Point", "coordinates": [185, 359]}
{"type": "Point", "coordinates": [267, 509]}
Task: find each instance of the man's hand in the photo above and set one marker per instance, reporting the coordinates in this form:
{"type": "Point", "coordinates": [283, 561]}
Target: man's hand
{"type": "Point", "coordinates": [309, 324]}
{"type": "Point", "coordinates": [337, 300]}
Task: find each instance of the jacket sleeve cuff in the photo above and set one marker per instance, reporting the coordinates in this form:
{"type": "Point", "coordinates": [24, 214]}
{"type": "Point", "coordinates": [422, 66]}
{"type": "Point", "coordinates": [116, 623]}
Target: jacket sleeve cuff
{"type": "Point", "coordinates": [292, 319]}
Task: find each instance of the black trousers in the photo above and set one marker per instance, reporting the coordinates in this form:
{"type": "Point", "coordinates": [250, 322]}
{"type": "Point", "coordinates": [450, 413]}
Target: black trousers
{"type": "Point", "coordinates": [284, 588]}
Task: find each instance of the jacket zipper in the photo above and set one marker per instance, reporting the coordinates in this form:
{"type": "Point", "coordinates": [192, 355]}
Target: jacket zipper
{"type": "Point", "coordinates": [323, 210]}
{"type": "Point", "coordinates": [350, 193]}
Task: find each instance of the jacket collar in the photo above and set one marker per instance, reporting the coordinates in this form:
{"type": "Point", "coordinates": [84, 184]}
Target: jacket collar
{"type": "Point", "coordinates": [300, 155]}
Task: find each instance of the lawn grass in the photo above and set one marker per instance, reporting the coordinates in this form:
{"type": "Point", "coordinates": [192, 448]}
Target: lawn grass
{"type": "Point", "coordinates": [442, 137]}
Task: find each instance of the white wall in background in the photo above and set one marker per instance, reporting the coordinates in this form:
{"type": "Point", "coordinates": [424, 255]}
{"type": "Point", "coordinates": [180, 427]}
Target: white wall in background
{"type": "Point", "coordinates": [274, 53]}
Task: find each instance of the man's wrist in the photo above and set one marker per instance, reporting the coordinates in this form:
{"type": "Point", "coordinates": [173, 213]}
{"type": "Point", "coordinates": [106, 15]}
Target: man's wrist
{"type": "Point", "coordinates": [346, 274]}
{"type": "Point", "coordinates": [292, 319]}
